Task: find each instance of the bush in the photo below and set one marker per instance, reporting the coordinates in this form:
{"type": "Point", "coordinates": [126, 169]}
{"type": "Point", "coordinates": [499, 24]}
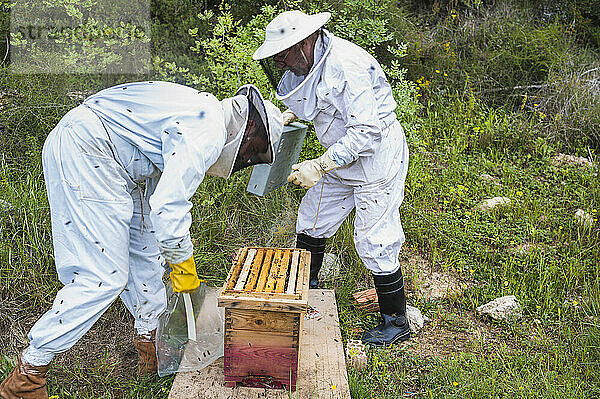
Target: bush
{"type": "Point", "coordinates": [229, 47]}
{"type": "Point", "coordinates": [569, 106]}
{"type": "Point", "coordinates": [509, 56]}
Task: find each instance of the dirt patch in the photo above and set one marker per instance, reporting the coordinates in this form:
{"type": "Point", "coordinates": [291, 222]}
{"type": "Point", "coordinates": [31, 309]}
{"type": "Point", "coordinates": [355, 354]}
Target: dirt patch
{"type": "Point", "coordinates": [450, 333]}
{"type": "Point", "coordinates": [428, 281]}
{"type": "Point", "coordinates": [103, 360]}
{"type": "Point", "coordinates": [15, 322]}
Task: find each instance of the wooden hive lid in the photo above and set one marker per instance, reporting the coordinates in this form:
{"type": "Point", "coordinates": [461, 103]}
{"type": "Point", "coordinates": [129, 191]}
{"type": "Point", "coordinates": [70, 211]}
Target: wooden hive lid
{"type": "Point", "coordinates": [273, 279]}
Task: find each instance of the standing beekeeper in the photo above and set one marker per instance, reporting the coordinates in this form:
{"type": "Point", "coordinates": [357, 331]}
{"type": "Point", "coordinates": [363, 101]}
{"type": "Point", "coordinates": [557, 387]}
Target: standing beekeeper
{"type": "Point", "coordinates": [110, 239]}
{"type": "Point", "coordinates": [343, 90]}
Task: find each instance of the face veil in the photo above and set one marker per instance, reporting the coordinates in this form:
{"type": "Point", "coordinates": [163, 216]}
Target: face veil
{"type": "Point", "coordinates": [253, 125]}
{"type": "Point", "coordinates": [255, 147]}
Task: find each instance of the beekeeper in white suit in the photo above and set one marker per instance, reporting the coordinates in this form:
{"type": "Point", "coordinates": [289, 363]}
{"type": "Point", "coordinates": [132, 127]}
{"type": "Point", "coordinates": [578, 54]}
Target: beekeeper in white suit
{"type": "Point", "coordinates": [343, 90]}
{"type": "Point", "coordinates": [110, 239]}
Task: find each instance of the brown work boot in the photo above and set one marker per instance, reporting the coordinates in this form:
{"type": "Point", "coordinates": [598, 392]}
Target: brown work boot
{"type": "Point", "coordinates": [146, 349]}
{"type": "Point", "coordinates": [25, 382]}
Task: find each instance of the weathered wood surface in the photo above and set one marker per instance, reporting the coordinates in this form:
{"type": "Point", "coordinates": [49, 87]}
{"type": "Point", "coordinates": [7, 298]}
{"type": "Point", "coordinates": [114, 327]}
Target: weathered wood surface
{"type": "Point", "coordinates": [241, 291]}
{"type": "Point", "coordinates": [262, 344]}
{"type": "Point", "coordinates": [303, 274]}
{"type": "Point", "coordinates": [291, 288]}
{"type": "Point", "coordinates": [322, 364]}
{"type": "Point", "coordinates": [239, 285]}
{"type": "Point", "coordinates": [254, 272]}
{"type": "Point", "coordinates": [367, 300]}
{"type": "Point", "coordinates": [264, 273]}
{"type": "Point", "coordinates": [236, 268]}
{"type": "Point", "coordinates": [274, 303]}
{"type": "Point", "coordinates": [254, 320]}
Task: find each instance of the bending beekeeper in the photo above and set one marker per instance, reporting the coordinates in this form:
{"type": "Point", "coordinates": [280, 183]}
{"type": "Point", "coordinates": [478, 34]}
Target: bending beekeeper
{"type": "Point", "coordinates": [110, 239]}
{"type": "Point", "coordinates": [343, 90]}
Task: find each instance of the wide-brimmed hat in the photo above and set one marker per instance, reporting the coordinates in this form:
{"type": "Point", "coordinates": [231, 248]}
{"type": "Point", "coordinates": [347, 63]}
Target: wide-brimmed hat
{"type": "Point", "coordinates": [245, 108]}
{"type": "Point", "coordinates": [287, 29]}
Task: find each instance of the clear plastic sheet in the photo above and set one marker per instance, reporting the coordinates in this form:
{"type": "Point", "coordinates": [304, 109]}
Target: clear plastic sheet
{"type": "Point", "coordinates": [174, 350]}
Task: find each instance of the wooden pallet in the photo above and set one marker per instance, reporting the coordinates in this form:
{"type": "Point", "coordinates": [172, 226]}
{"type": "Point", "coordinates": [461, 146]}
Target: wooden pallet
{"type": "Point", "coordinates": [265, 298]}
{"type": "Point", "coordinates": [321, 371]}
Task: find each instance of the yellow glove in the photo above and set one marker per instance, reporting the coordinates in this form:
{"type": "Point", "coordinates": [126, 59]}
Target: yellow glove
{"type": "Point", "coordinates": [308, 173]}
{"type": "Point", "coordinates": [288, 117]}
{"type": "Point", "coordinates": [184, 276]}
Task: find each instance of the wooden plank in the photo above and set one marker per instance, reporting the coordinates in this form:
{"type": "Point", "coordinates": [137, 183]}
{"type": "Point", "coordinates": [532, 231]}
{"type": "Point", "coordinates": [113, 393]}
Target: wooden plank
{"type": "Point", "coordinates": [239, 285]}
{"type": "Point", "coordinates": [235, 268]}
{"type": "Point", "coordinates": [264, 272]}
{"type": "Point", "coordinates": [283, 272]}
{"type": "Point", "coordinates": [274, 272]}
{"type": "Point", "coordinates": [254, 320]}
{"type": "Point", "coordinates": [240, 295]}
{"type": "Point", "coordinates": [303, 287]}
{"type": "Point", "coordinates": [291, 287]}
{"type": "Point", "coordinates": [317, 375]}
{"type": "Point", "coordinates": [301, 269]}
{"type": "Point", "coordinates": [262, 304]}
{"type": "Point", "coordinates": [255, 270]}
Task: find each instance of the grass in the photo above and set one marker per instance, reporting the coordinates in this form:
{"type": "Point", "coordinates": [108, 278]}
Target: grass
{"type": "Point", "coordinates": [464, 148]}
{"type": "Point", "coordinates": [552, 352]}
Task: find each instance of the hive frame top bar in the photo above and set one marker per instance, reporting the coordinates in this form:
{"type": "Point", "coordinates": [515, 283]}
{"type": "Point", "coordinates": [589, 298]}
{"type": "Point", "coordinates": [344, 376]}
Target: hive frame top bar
{"type": "Point", "coordinates": [265, 278]}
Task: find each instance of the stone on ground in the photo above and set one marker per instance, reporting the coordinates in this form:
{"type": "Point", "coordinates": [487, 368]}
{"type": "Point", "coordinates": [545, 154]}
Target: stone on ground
{"type": "Point", "coordinates": [564, 159]}
{"type": "Point", "coordinates": [415, 319]}
{"type": "Point", "coordinates": [505, 308]}
{"type": "Point", "coordinates": [493, 203]}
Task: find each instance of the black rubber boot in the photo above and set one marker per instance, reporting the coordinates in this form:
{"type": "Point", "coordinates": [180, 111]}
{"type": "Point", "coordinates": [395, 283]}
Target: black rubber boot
{"type": "Point", "coordinates": [392, 306]}
{"type": "Point", "coordinates": [316, 246]}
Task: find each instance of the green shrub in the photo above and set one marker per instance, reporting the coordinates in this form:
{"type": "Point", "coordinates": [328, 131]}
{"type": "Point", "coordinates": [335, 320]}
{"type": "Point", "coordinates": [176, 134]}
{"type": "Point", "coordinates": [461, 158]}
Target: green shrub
{"type": "Point", "coordinates": [171, 22]}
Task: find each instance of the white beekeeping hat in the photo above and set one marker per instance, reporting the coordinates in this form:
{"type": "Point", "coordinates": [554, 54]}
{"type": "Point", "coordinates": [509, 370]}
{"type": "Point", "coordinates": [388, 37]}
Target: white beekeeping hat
{"type": "Point", "coordinates": [252, 123]}
{"type": "Point", "coordinates": [287, 29]}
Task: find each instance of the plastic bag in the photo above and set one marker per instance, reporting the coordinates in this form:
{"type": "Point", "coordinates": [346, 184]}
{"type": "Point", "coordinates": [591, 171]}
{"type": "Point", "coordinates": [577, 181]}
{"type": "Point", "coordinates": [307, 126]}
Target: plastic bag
{"type": "Point", "coordinates": [174, 350]}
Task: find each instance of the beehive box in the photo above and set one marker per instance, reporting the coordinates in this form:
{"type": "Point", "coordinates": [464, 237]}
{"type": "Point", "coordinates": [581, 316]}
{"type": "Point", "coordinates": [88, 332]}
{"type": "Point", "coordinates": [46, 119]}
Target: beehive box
{"type": "Point", "coordinates": [265, 298]}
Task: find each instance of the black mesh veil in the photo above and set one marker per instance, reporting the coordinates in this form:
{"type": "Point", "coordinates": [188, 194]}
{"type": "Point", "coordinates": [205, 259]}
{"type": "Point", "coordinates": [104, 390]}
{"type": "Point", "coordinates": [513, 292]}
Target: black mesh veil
{"type": "Point", "coordinates": [255, 147]}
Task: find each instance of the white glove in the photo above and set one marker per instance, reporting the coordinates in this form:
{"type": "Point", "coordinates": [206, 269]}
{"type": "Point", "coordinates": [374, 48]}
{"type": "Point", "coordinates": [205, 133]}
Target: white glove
{"type": "Point", "coordinates": [308, 173]}
{"type": "Point", "coordinates": [288, 117]}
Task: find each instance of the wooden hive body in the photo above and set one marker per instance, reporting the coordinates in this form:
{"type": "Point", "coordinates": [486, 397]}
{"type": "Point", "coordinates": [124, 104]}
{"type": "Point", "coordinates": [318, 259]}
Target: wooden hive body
{"type": "Point", "coordinates": [265, 298]}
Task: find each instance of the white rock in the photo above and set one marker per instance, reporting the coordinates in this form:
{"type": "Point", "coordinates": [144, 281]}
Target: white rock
{"type": "Point", "coordinates": [584, 218]}
{"type": "Point", "coordinates": [504, 308]}
{"type": "Point", "coordinates": [564, 159]}
{"type": "Point", "coordinates": [492, 203]}
{"type": "Point", "coordinates": [415, 319]}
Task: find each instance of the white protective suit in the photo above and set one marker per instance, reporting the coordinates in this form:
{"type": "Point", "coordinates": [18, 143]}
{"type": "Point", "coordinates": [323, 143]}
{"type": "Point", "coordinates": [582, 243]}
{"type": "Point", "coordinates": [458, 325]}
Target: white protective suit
{"type": "Point", "coordinates": [108, 240]}
{"type": "Point", "coordinates": [350, 102]}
